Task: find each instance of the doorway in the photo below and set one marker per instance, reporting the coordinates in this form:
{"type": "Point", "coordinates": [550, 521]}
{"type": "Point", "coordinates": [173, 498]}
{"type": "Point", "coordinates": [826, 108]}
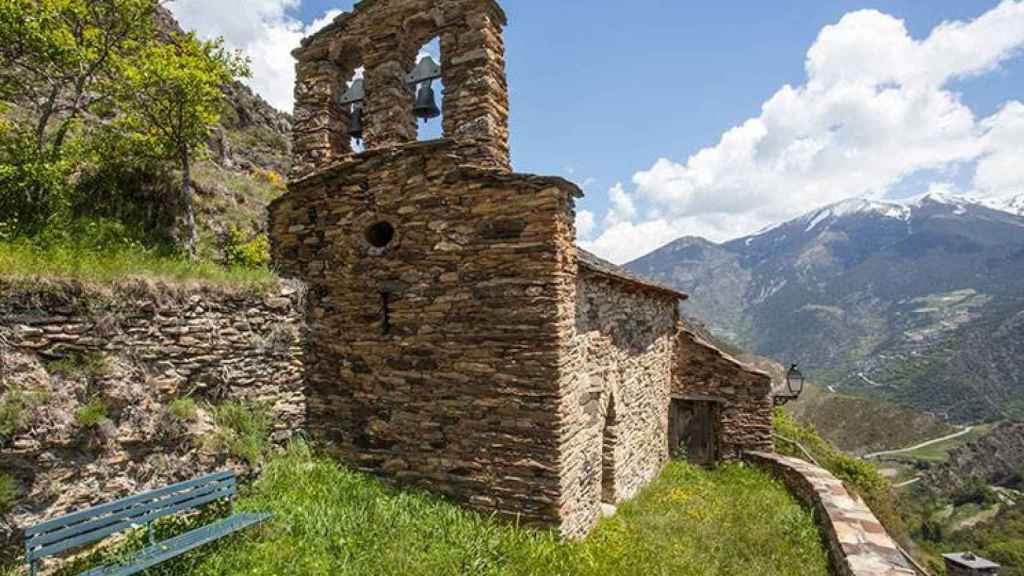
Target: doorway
{"type": "Point", "coordinates": [693, 430]}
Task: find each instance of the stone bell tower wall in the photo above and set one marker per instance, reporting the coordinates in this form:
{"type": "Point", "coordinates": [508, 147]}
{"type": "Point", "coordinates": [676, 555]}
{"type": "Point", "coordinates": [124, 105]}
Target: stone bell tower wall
{"type": "Point", "coordinates": [384, 37]}
{"type": "Point", "coordinates": [452, 382]}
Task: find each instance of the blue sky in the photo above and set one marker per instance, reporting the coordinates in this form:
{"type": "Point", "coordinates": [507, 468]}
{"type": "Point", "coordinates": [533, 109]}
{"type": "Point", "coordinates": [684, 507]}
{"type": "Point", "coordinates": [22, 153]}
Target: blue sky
{"type": "Point", "coordinates": [600, 91]}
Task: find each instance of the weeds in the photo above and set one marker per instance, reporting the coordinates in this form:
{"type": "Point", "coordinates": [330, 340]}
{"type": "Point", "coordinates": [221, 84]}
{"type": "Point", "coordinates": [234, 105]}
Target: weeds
{"type": "Point", "coordinates": [15, 407]}
{"type": "Point", "coordinates": [244, 429]}
{"type": "Point", "coordinates": [8, 493]}
{"type": "Point", "coordinates": [184, 409]}
{"type": "Point", "coordinates": [80, 366]}
{"type": "Point", "coordinates": [92, 413]}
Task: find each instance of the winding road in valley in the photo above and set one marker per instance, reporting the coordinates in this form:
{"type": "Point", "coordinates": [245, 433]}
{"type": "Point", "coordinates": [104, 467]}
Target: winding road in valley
{"type": "Point", "coordinates": [953, 436]}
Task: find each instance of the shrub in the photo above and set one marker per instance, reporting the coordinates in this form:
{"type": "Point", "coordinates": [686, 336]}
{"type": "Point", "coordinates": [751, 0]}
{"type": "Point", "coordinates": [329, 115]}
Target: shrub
{"type": "Point", "coordinates": [79, 366]}
{"type": "Point", "coordinates": [33, 189]}
{"type": "Point", "coordinates": [8, 493]}
{"type": "Point", "coordinates": [183, 409]}
{"type": "Point", "coordinates": [92, 413]}
{"type": "Point", "coordinates": [14, 408]}
{"type": "Point", "coordinates": [246, 252]}
{"type": "Point", "coordinates": [273, 178]}
{"type": "Point", "coordinates": [244, 429]}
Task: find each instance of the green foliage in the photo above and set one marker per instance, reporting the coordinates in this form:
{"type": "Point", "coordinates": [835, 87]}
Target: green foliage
{"type": "Point", "coordinates": [239, 250]}
{"type": "Point", "coordinates": [170, 95]}
{"type": "Point", "coordinates": [62, 58]}
{"type": "Point", "coordinates": [184, 409]}
{"type": "Point", "coordinates": [15, 407]}
{"type": "Point", "coordinates": [244, 429]}
{"type": "Point", "coordinates": [92, 413]}
{"type": "Point", "coordinates": [79, 366]}
{"type": "Point", "coordinates": [24, 258]}
{"type": "Point", "coordinates": [33, 184]}
{"type": "Point", "coordinates": [690, 522]}
{"type": "Point", "coordinates": [973, 492]}
{"type": "Point", "coordinates": [859, 476]}
{"type": "Point", "coordinates": [8, 493]}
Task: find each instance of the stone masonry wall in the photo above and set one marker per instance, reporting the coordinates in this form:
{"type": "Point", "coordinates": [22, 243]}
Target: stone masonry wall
{"type": "Point", "coordinates": [134, 349]}
{"type": "Point", "coordinates": [434, 360]}
{"type": "Point", "coordinates": [703, 372]}
{"type": "Point", "coordinates": [615, 396]}
{"type": "Point", "coordinates": [384, 37]}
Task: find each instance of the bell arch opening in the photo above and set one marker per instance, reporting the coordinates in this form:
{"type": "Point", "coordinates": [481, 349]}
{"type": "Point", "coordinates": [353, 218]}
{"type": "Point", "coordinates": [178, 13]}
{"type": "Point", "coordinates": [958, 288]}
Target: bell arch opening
{"type": "Point", "coordinates": [428, 97]}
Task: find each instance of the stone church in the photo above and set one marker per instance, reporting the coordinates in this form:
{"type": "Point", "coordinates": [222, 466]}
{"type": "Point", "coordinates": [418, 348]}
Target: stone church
{"type": "Point", "coordinates": [459, 340]}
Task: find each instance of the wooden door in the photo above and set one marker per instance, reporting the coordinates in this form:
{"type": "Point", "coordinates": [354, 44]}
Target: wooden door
{"type": "Point", "coordinates": [693, 431]}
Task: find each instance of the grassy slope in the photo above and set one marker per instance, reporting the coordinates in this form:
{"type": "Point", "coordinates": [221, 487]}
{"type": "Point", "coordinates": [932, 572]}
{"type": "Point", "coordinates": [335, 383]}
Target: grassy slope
{"type": "Point", "coordinates": [24, 261]}
{"type": "Point", "coordinates": [328, 520]}
{"type": "Point", "coordinates": [861, 425]}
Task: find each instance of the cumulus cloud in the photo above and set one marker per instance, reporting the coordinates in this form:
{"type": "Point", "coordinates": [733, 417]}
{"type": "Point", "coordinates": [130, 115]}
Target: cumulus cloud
{"type": "Point", "coordinates": [585, 223]}
{"type": "Point", "coordinates": [876, 108]}
{"type": "Point", "coordinates": [263, 29]}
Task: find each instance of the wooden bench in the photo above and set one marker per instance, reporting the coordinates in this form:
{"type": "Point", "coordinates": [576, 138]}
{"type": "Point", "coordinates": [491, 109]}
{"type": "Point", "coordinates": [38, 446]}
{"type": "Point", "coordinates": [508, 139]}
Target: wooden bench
{"type": "Point", "coordinates": [93, 525]}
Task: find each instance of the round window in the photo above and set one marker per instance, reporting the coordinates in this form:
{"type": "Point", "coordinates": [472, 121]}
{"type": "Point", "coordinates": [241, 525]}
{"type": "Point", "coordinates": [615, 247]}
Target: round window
{"type": "Point", "coordinates": [380, 234]}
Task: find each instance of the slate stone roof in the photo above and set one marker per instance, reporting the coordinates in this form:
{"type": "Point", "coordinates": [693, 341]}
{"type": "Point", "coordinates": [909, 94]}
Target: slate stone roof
{"type": "Point", "coordinates": [971, 561]}
{"type": "Point", "coordinates": [601, 266]}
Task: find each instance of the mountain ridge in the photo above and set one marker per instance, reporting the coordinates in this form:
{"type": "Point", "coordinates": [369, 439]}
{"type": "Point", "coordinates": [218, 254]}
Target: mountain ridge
{"type": "Point", "coordinates": [914, 301]}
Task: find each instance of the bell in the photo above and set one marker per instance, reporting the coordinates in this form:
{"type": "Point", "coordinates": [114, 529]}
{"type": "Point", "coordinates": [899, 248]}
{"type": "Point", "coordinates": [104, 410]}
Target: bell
{"type": "Point", "coordinates": [355, 125]}
{"type": "Point", "coordinates": [426, 106]}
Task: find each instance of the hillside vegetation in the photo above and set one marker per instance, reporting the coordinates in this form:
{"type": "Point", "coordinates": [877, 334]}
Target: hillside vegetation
{"type": "Point", "coordinates": [129, 148]}
{"type": "Point", "coordinates": [689, 522]}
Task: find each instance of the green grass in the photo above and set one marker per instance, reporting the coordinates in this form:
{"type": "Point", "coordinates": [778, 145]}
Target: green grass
{"type": "Point", "coordinates": [689, 522]}
{"type": "Point", "coordinates": [92, 413]}
{"type": "Point", "coordinates": [244, 429]}
{"type": "Point", "coordinates": [79, 365]}
{"type": "Point", "coordinates": [27, 260]}
{"type": "Point", "coordinates": [15, 407]}
{"type": "Point", "coordinates": [184, 409]}
{"type": "Point", "coordinates": [8, 493]}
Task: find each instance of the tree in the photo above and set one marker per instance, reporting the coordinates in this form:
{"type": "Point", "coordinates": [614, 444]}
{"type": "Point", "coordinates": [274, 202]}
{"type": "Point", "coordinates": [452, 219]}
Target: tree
{"type": "Point", "coordinates": [171, 95]}
{"type": "Point", "coordinates": [57, 55]}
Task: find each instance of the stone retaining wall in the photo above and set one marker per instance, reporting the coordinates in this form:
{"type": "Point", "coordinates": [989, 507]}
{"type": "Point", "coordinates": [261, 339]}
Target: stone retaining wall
{"type": "Point", "coordinates": [857, 542]}
{"type": "Point", "coordinates": [126, 355]}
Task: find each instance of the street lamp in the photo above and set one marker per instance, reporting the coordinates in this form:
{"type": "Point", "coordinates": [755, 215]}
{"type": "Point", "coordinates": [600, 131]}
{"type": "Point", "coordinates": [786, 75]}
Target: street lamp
{"type": "Point", "coordinates": [794, 386]}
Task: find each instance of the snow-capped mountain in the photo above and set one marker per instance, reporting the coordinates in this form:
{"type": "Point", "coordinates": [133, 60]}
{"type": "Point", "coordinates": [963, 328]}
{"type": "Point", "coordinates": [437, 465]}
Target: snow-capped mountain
{"type": "Point", "coordinates": [1013, 203]}
{"type": "Point", "coordinates": [924, 296]}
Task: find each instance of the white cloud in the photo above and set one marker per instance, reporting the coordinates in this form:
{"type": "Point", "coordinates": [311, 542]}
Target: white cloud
{"type": "Point", "coordinates": [584, 223]}
{"type": "Point", "coordinates": [263, 29]}
{"type": "Point", "coordinates": [876, 108]}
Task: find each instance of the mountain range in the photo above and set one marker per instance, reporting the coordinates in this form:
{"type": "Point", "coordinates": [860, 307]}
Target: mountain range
{"type": "Point", "coordinates": [920, 302]}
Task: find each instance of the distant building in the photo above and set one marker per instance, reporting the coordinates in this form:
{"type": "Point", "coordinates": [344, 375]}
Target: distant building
{"type": "Point", "coordinates": [967, 564]}
{"type": "Point", "coordinates": [459, 340]}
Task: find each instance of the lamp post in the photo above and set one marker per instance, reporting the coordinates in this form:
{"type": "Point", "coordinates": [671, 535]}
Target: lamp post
{"type": "Point", "coordinates": [794, 386]}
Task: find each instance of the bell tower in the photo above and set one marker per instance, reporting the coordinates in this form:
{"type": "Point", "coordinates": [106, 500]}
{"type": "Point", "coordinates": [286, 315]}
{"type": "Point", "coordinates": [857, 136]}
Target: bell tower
{"type": "Point", "coordinates": [382, 39]}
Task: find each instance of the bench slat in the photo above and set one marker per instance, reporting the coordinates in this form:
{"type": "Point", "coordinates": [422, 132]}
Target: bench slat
{"type": "Point", "coordinates": [131, 513]}
{"type": "Point", "coordinates": [97, 535]}
{"type": "Point", "coordinates": [181, 544]}
{"type": "Point", "coordinates": [116, 505]}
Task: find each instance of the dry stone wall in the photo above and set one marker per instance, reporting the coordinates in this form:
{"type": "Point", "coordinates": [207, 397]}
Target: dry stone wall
{"type": "Point", "coordinates": [89, 378]}
{"type": "Point", "coordinates": [615, 392]}
{"type": "Point", "coordinates": [703, 372]}
{"type": "Point", "coordinates": [434, 359]}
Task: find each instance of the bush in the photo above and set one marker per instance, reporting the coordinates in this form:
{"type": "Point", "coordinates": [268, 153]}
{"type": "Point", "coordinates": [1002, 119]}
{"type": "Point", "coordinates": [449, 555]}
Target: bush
{"type": "Point", "coordinates": [14, 408]}
{"type": "Point", "coordinates": [239, 250]}
{"type": "Point", "coordinates": [79, 366]}
{"type": "Point", "coordinates": [92, 413]}
{"type": "Point", "coordinates": [33, 184]}
{"type": "Point", "coordinates": [184, 409]}
{"type": "Point", "coordinates": [8, 493]}
{"type": "Point", "coordinates": [244, 429]}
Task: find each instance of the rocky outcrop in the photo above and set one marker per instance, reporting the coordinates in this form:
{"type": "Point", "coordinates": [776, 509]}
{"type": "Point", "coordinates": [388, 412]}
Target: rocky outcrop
{"type": "Point", "coordinates": [996, 458]}
{"type": "Point", "coordinates": [107, 392]}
